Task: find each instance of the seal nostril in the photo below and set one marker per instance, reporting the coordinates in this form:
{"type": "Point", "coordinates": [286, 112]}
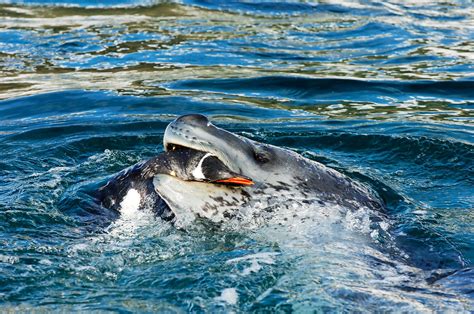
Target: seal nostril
{"type": "Point", "coordinates": [195, 119]}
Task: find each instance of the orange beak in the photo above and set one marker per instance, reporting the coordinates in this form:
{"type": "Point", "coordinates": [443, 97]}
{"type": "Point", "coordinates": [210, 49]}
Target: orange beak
{"type": "Point", "coordinates": [236, 180]}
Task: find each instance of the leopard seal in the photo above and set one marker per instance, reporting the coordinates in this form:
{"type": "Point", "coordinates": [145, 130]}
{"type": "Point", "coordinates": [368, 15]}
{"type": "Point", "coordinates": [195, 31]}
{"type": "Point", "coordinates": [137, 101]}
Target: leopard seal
{"type": "Point", "coordinates": [239, 174]}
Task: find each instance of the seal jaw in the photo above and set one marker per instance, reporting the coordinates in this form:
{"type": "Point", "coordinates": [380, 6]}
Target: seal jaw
{"type": "Point", "coordinates": [181, 133]}
{"type": "Point", "coordinates": [209, 168]}
{"type": "Point", "coordinates": [231, 154]}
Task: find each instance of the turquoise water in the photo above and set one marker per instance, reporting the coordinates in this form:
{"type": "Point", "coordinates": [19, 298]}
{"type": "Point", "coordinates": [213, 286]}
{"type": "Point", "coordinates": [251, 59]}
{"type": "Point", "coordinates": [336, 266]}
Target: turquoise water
{"type": "Point", "coordinates": [382, 92]}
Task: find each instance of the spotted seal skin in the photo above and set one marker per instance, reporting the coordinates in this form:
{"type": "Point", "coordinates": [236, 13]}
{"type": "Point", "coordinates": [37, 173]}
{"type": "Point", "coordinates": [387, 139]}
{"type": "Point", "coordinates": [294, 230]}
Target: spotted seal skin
{"type": "Point", "coordinates": [282, 177]}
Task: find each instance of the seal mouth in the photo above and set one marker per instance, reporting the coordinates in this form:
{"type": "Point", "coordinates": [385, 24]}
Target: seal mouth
{"type": "Point", "coordinates": [229, 152]}
{"type": "Point", "coordinates": [197, 132]}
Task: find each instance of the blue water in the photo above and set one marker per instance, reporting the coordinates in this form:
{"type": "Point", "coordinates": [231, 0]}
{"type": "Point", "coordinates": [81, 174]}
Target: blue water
{"type": "Point", "coordinates": [381, 91]}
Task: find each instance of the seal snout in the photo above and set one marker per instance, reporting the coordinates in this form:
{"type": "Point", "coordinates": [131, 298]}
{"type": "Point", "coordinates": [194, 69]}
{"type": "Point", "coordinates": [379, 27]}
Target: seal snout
{"type": "Point", "coordinates": [195, 131]}
{"type": "Point", "coordinates": [187, 131]}
{"type": "Point", "coordinates": [193, 119]}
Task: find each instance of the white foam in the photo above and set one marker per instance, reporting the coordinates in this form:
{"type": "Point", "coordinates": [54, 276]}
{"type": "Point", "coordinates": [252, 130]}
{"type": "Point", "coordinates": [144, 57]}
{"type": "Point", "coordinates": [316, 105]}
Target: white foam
{"type": "Point", "coordinates": [9, 259]}
{"type": "Point", "coordinates": [255, 261]}
{"type": "Point", "coordinates": [228, 295]}
{"type": "Point", "coordinates": [46, 262]}
{"type": "Point", "coordinates": [267, 257]}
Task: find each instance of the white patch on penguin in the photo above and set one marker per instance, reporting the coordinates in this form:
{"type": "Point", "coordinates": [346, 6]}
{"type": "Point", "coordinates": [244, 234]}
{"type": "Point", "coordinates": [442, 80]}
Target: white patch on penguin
{"type": "Point", "coordinates": [130, 203]}
{"type": "Point", "coordinates": [197, 173]}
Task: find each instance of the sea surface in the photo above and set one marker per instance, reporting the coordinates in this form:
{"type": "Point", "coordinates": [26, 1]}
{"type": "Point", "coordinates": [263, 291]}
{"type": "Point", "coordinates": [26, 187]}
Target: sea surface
{"type": "Point", "coordinates": [382, 91]}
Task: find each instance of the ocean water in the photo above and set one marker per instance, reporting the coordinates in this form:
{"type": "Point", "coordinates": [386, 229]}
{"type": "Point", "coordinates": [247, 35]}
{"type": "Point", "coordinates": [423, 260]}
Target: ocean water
{"type": "Point", "coordinates": [381, 91]}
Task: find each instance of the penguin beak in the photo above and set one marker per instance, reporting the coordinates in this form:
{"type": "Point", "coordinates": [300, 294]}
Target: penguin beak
{"type": "Point", "coordinates": [235, 181]}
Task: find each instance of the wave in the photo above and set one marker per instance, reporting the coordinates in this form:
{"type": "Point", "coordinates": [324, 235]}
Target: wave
{"type": "Point", "coordinates": [332, 89]}
{"type": "Point", "coordinates": [85, 3]}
